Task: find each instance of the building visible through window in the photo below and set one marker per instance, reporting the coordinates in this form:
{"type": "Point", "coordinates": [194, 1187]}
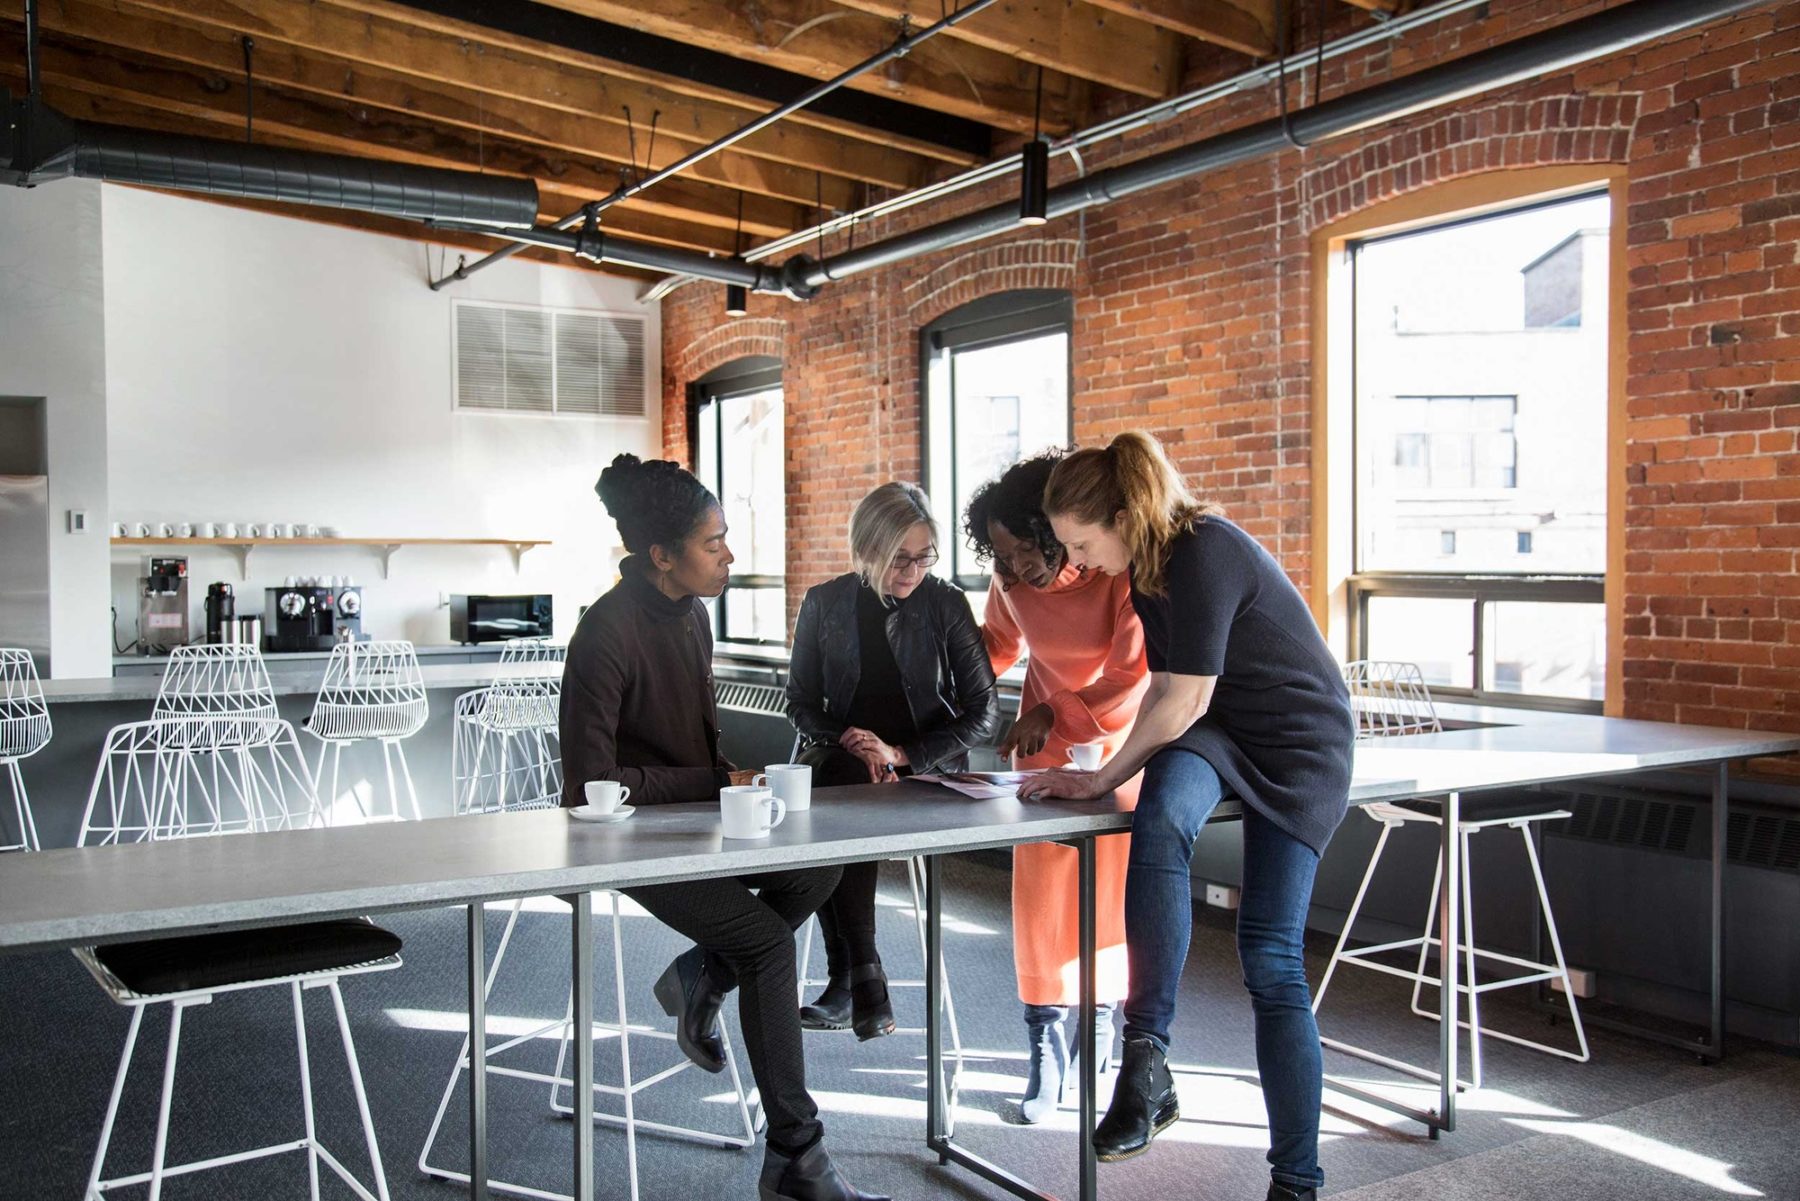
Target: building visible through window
{"type": "Point", "coordinates": [739, 452]}
{"type": "Point", "coordinates": [1481, 374]}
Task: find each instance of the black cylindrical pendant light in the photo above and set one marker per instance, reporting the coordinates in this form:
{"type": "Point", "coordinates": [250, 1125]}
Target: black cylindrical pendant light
{"type": "Point", "coordinates": [737, 300]}
{"type": "Point", "coordinates": [1034, 182]}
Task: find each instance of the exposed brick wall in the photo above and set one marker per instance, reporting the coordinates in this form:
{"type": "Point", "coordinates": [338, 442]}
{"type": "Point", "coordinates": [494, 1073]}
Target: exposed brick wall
{"type": "Point", "coordinates": [1192, 306]}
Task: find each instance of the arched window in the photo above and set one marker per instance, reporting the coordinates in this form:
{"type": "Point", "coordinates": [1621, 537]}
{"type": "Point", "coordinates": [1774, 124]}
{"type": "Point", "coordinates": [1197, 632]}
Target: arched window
{"type": "Point", "coordinates": [998, 382]}
{"type": "Point", "coordinates": [738, 450]}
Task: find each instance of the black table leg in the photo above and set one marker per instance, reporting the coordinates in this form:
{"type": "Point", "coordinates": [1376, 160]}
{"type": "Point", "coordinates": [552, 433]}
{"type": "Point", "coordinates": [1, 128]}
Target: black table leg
{"type": "Point", "coordinates": [1090, 1187]}
{"type": "Point", "coordinates": [478, 1172]}
{"type": "Point", "coordinates": [581, 1032]}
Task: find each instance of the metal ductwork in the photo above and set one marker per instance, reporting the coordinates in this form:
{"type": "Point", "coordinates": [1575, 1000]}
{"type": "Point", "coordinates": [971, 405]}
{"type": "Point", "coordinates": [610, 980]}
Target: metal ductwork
{"type": "Point", "coordinates": [1611, 31]}
{"type": "Point", "coordinates": [42, 145]}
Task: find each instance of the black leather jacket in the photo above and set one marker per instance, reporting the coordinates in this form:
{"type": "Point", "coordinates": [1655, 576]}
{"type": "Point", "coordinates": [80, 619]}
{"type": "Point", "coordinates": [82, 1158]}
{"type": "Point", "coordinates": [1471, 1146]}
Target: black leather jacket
{"type": "Point", "coordinates": [944, 670]}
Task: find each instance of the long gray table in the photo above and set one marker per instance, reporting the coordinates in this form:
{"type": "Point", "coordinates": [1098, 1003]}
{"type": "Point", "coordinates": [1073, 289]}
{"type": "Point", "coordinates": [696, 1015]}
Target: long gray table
{"type": "Point", "coordinates": [76, 897]}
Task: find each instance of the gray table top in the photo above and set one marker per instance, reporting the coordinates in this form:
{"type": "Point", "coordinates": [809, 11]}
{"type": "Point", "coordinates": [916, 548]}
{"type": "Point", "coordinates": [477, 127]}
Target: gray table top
{"type": "Point", "coordinates": [68, 897]}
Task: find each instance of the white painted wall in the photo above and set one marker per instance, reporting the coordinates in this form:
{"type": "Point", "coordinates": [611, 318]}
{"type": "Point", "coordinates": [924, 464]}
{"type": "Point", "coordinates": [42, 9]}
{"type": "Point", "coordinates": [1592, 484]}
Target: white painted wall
{"type": "Point", "coordinates": [263, 369]}
{"type": "Point", "coordinates": [53, 345]}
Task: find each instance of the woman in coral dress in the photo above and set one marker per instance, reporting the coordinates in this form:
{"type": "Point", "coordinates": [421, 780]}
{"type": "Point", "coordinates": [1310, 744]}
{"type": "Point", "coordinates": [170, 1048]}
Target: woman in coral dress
{"type": "Point", "coordinates": [1085, 677]}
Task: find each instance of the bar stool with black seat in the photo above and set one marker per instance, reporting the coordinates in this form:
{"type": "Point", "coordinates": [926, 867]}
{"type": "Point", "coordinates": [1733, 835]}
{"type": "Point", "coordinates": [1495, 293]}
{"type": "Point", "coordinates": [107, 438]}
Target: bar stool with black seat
{"type": "Point", "coordinates": [24, 731]}
{"type": "Point", "coordinates": [372, 692]}
{"type": "Point", "coordinates": [183, 973]}
{"type": "Point", "coordinates": [559, 1079]}
{"type": "Point", "coordinates": [1391, 698]}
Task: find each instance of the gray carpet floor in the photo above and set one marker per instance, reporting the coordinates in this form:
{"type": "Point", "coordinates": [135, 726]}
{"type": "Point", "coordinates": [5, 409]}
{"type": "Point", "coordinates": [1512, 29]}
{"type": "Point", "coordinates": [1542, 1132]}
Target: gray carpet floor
{"type": "Point", "coordinates": [1639, 1122]}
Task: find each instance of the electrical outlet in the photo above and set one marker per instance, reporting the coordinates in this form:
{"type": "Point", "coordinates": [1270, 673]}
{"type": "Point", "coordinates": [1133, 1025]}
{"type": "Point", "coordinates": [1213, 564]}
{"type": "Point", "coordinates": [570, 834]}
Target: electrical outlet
{"type": "Point", "coordinates": [443, 600]}
{"type": "Point", "coordinates": [78, 521]}
{"type": "Point", "coordinates": [1583, 980]}
{"type": "Point", "coordinates": [1221, 896]}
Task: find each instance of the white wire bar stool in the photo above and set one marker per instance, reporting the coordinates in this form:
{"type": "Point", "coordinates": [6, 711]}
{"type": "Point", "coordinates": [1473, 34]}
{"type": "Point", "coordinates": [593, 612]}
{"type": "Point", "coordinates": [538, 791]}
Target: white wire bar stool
{"type": "Point", "coordinates": [1388, 699]}
{"type": "Point", "coordinates": [770, 700]}
{"type": "Point", "coordinates": [501, 752]}
{"type": "Point", "coordinates": [372, 692]}
{"type": "Point", "coordinates": [185, 973]}
{"type": "Point", "coordinates": [24, 731]}
{"type": "Point", "coordinates": [560, 1081]}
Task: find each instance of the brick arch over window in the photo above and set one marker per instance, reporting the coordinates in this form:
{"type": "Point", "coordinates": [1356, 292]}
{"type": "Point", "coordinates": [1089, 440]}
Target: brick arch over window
{"type": "Point", "coordinates": [739, 339]}
{"type": "Point", "coordinates": [986, 269]}
{"type": "Point", "coordinates": [1502, 135]}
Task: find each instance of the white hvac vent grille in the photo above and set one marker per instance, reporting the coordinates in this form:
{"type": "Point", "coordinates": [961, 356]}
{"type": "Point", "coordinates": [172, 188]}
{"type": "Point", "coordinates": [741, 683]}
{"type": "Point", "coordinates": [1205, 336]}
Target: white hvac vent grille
{"type": "Point", "coordinates": [524, 359]}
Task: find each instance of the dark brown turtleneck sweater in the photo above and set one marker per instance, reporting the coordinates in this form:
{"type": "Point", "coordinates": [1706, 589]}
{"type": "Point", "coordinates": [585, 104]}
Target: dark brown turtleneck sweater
{"type": "Point", "coordinates": [637, 697]}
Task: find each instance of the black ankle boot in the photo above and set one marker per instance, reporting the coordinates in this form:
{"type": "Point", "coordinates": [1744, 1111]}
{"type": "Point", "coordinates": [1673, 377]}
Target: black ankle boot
{"type": "Point", "coordinates": [1143, 1103]}
{"type": "Point", "coordinates": [809, 1176]}
{"type": "Point", "coordinates": [1287, 1192]}
{"type": "Point", "coordinates": [831, 1011]}
{"type": "Point", "coordinates": [872, 1013]}
{"type": "Point", "coordinates": [688, 992]}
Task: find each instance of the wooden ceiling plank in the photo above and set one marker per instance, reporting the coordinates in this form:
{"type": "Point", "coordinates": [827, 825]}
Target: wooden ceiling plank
{"type": "Point", "coordinates": [391, 47]}
{"type": "Point", "coordinates": [820, 40]}
{"type": "Point", "coordinates": [1247, 26]}
{"type": "Point", "coordinates": [746, 106]}
{"type": "Point", "coordinates": [1071, 36]}
{"type": "Point", "coordinates": [442, 104]}
{"type": "Point", "coordinates": [109, 90]}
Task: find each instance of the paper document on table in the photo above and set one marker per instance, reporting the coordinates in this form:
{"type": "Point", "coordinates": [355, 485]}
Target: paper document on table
{"type": "Point", "coordinates": [978, 785]}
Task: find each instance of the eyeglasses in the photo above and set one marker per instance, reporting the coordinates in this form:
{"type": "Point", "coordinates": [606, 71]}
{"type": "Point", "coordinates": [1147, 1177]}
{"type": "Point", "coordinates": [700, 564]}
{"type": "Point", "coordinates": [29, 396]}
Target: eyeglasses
{"type": "Point", "coordinates": [924, 562]}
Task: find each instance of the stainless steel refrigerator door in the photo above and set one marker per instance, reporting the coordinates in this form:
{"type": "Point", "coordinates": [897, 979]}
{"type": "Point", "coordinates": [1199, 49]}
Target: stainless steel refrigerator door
{"type": "Point", "coordinates": [25, 566]}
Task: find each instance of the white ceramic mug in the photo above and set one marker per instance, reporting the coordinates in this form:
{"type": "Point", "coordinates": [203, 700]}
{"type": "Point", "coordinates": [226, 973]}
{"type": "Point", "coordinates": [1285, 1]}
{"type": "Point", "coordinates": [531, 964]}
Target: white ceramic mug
{"type": "Point", "coordinates": [121, 530]}
{"type": "Point", "coordinates": [749, 811]}
{"type": "Point", "coordinates": [208, 529]}
{"type": "Point", "coordinates": [164, 530]}
{"type": "Point", "coordinates": [792, 782]}
{"type": "Point", "coordinates": [253, 530]}
{"type": "Point", "coordinates": [1087, 755]}
{"type": "Point", "coordinates": [228, 530]}
{"type": "Point", "coordinates": [312, 531]}
{"type": "Point", "coordinates": [604, 796]}
{"type": "Point", "coordinates": [185, 530]}
{"type": "Point", "coordinates": [140, 530]}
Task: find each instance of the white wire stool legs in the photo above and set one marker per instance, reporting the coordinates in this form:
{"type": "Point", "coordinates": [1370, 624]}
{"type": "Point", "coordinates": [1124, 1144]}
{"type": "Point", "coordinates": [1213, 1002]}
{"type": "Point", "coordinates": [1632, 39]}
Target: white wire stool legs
{"type": "Point", "coordinates": [391, 749]}
{"type": "Point", "coordinates": [1532, 972]}
{"type": "Point", "coordinates": [915, 878]}
{"type": "Point", "coordinates": [28, 838]}
{"type": "Point", "coordinates": [316, 1152]}
{"type": "Point", "coordinates": [626, 1090]}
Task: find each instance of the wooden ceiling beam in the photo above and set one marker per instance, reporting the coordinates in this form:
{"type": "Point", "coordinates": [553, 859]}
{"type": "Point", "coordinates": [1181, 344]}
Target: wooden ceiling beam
{"type": "Point", "coordinates": [381, 44]}
{"type": "Point", "coordinates": [420, 20]}
{"type": "Point", "coordinates": [1247, 26]}
{"type": "Point", "coordinates": [820, 40]}
{"type": "Point", "coordinates": [219, 53]}
{"type": "Point", "coordinates": [86, 87]}
{"type": "Point", "coordinates": [1077, 38]}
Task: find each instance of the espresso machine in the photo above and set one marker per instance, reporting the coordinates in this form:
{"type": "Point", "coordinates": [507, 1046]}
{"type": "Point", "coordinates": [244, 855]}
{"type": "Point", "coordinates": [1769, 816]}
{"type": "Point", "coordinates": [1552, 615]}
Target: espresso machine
{"type": "Point", "coordinates": [163, 605]}
{"type": "Point", "coordinates": [310, 617]}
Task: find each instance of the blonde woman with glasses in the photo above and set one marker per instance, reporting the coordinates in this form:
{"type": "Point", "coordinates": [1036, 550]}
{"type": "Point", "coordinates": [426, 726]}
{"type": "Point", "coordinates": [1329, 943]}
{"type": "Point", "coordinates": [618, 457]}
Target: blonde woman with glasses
{"type": "Point", "coordinates": [888, 678]}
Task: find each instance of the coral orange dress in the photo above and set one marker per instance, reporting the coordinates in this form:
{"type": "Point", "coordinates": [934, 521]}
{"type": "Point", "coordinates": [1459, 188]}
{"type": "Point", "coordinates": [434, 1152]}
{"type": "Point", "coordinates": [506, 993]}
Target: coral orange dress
{"type": "Point", "coordinates": [1087, 663]}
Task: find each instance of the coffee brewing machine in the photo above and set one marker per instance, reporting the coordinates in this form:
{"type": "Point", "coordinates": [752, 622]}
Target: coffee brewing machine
{"type": "Point", "coordinates": [311, 617]}
{"type": "Point", "coordinates": [163, 605]}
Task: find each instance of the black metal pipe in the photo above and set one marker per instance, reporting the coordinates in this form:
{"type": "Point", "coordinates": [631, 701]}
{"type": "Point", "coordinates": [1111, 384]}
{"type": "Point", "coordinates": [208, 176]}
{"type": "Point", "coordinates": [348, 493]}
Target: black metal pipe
{"type": "Point", "coordinates": [32, 89]}
{"type": "Point", "coordinates": [603, 247]}
{"type": "Point", "coordinates": [900, 48]}
{"type": "Point", "coordinates": [1608, 32]}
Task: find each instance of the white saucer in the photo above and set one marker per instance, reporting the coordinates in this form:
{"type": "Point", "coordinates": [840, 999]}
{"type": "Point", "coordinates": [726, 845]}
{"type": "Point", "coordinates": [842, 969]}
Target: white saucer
{"type": "Point", "coordinates": [617, 815]}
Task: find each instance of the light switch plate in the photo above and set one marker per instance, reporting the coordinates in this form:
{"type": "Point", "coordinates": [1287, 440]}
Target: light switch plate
{"type": "Point", "coordinates": [78, 523]}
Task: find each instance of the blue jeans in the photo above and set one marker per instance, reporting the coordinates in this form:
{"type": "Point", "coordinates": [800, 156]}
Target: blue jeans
{"type": "Point", "coordinates": [1179, 792]}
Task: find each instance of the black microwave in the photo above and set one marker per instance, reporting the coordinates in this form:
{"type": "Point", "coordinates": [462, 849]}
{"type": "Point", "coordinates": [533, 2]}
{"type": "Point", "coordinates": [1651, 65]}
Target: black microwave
{"type": "Point", "coordinates": [497, 618]}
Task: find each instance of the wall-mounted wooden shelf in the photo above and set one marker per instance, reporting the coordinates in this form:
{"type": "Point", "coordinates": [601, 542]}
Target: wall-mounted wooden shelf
{"type": "Point", "coordinates": [385, 547]}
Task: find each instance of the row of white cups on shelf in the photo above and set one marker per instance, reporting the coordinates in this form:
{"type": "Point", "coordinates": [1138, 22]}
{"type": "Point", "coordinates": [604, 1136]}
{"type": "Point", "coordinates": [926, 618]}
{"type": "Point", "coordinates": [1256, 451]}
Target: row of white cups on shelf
{"type": "Point", "coordinates": [221, 529]}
